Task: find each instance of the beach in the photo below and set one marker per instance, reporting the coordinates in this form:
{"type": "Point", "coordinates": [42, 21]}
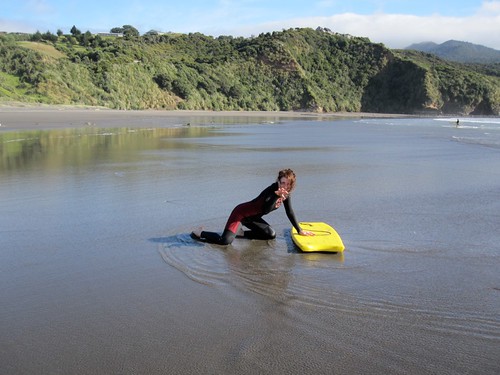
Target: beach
{"type": "Point", "coordinates": [26, 116]}
{"type": "Point", "coordinates": [100, 275]}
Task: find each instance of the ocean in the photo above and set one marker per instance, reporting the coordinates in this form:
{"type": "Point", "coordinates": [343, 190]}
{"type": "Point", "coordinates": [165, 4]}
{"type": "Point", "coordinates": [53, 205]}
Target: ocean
{"type": "Point", "coordinates": [99, 273]}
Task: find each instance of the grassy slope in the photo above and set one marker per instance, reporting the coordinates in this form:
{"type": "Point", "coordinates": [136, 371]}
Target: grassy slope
{"type": "Point", "coordinates": [43, 48]}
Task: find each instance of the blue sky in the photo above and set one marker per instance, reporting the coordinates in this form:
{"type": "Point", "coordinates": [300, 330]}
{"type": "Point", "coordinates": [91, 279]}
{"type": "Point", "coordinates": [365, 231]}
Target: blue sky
{"type": "Point", "coordinates": [396, 23]}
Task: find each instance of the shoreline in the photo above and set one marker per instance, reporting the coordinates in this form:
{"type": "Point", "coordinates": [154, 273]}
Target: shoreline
{"type": "Point", "coordinates": [39, 117]}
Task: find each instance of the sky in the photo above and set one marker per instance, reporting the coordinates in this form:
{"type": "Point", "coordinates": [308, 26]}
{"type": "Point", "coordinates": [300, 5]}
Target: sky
{"type": "Point", "coordinates": [395, 23]}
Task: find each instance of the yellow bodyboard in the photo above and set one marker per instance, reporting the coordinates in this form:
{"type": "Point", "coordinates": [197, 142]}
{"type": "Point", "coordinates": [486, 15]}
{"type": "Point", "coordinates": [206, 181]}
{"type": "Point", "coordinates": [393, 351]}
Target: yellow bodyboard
{"type": "Point", "coordinates": [326, 239]}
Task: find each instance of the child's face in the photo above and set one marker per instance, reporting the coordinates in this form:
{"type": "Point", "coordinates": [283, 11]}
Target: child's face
{"type": "Point", "coordinates": [285, 183]}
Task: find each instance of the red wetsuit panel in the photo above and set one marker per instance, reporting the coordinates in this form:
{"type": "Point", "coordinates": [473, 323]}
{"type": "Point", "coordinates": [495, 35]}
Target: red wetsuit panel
{"type": "Point", "coordinates": [241, 211]}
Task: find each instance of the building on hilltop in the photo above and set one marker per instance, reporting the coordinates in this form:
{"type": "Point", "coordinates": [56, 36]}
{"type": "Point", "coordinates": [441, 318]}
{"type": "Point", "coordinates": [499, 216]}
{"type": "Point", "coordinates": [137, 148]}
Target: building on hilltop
{"type": "Point", "coordinates": [116, 35]}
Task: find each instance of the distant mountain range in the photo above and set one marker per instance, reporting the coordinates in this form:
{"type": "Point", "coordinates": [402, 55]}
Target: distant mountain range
{"type": "Point", "coordinates": [463, 52]}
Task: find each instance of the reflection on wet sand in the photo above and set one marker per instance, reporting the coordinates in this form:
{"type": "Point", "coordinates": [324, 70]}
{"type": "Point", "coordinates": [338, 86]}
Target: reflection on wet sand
{"type": "Point", "coordinates": [99, 274]}
{"type": "Point", "coordinates": [256, 267]}
{"type": "Point", "coordinates": [82, 147]}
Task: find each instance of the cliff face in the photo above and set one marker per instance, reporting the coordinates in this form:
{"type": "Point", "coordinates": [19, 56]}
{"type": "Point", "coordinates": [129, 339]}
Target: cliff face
{"type": "Point", "coordinates": [398, 88]}
{"type": "Point", "coordinates": [296, 69]}
{"type": "Point", "coordinates": [422, 84]}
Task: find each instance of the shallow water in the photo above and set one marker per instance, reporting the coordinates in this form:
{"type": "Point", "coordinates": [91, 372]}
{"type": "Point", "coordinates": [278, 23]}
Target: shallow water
{"type": "Point", "coordinates": [99, 274]}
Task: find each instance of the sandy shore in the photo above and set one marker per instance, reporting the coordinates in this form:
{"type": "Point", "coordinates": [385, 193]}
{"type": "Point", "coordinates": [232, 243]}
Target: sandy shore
{"type": "Point", "coordinates": [100, 276]}
{"type": "Point", "coordinates": [29, 117]}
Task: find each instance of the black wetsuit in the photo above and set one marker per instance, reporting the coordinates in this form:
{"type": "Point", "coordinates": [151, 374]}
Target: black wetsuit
{"type": "Point", "coordinates": [250, 215]}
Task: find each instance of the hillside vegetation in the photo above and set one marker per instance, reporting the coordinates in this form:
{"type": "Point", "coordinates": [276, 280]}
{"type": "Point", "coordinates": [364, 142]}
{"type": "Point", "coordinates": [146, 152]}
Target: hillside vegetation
{"type": "Point", "coordinates": [295, 69]}
{"type": "Point", "coordinates": [464, 52]}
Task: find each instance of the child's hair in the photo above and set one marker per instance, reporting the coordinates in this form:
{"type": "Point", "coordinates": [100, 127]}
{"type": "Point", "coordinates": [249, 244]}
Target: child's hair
{"type": "Point", "coordinates": [288, 173]}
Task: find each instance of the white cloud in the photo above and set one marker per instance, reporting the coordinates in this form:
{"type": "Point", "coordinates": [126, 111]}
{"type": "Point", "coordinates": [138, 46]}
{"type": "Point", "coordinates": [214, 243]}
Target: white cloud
{"type": "Point", "coordinates": [246, 18]}
{"type": "Point", "coordinates": [399, 30]}
{"type": "Point", "coordinates": [490, 7]}
{"type": "Point", "coordinates": [38, 6]}
{"type": "Point", "coordinates": [15, 26]}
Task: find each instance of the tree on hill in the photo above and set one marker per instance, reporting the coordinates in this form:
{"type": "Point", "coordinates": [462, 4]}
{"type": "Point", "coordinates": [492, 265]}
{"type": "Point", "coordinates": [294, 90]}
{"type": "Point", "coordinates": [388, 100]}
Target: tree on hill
{"type": "Point", "coordinates": [74, 31]}
{"type": "Point", "coordinates": [126, 30]}
{"type": "Point", "coordinates": [48, 37]}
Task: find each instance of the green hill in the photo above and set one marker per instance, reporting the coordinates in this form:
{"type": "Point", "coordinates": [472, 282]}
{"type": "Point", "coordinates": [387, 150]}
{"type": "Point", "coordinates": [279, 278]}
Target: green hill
{"type": "Point", "coordinates": [295, 69]}
{"type": "Point", "coordinates": [464, 52]}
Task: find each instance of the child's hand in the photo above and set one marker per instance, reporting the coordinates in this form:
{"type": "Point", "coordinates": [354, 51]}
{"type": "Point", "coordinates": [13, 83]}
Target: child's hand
{"type": "Point", "coordinates": [282, 192]}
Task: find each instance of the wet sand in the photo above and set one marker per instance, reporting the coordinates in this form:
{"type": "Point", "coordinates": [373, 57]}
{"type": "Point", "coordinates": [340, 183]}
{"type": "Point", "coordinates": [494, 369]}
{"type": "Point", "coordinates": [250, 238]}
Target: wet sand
{"type": "Point", "coordinates": [53, 117]}
{"type": "Point", "coordinates": [99, 274]}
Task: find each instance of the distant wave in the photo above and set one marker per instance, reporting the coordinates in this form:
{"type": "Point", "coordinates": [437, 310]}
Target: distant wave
{"type": "Point", "coordinates": [486, 142]}
{"type": "Point", "coordinates": [484, 121]}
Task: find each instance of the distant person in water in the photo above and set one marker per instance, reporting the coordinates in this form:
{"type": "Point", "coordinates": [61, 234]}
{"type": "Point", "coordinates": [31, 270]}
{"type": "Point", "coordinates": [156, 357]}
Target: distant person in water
{"type": "Point", "coordinates": [250, 214]}
{"type": "Point", "coordinates": [458, 122]}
